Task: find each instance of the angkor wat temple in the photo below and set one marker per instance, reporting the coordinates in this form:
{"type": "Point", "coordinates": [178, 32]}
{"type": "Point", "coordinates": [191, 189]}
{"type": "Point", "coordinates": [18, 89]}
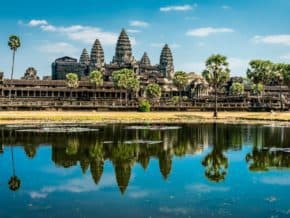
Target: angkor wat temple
{"type": "Point", "coordinates": [52, 92]}
{"type": "Point", "coordinates": [123, 59]}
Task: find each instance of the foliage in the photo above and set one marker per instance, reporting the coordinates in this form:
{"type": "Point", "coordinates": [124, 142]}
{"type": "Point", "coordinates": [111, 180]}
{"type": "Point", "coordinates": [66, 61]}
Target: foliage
{"type": "Point", "coordinates": [14, 42]}
{"type": "Point", "coordinates": [180, 79]}
{"type": "Point", "coordinates": [96, 77]}
{"type": "Point", "coordinates": [73, 145]}
{"type": "Point", "coordinates": [153, 91]}
{"type": "Point", "coordinates": [216, 164]}
{"type": "Point", "coordinates": [217, 71]}
{"type": "Point", "coordinates": [175, 99]}
{"type": "Point", "coordinates": [126, 79]}
{"type": "Point", "coordinates": [216, 74]}
{"type": "Point", "coordinates": [14, 183]}
{"type": "Point", "coordinates": [237, 88]}
{"type": "Point", "coordinates": [260, 71]}
{"type": "Point", "coordinates": [268, 73]}
{"type": "Point", "coordinates": [286, 74]}
{"type": "Point", "coordinates": [185, 98]}
{"type": "Point", "coordinates": [257, 89]}
{"type": "Point", "coordinates": [144, 105]}
{"type": "Point", "coordinates": [72, 80]}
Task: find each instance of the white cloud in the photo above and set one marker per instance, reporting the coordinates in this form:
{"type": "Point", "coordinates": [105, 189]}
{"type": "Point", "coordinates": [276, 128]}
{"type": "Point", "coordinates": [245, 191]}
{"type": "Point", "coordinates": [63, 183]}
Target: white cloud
{"type": "Point", "coordinates": [203, 188]}
{"type": "Point", "coordinates": [48, 28]}
{"type": "Point", "coordinates": [276, 180]}
{"type": "Point", "coordinates": [37, 195]}
{"type": "Point", "coordinates": [178, 8]}
{"type": "Point", "coordinates": [34, 23]}
{"type": "Point", "coordinates": [285, 57]}
{"type": "Point", "coordinates": [177, 210]}
{"type": "Point", "coordinates": [226, 7]}
{"type": "Point", "coordinates": [273, 39]}
{"type": "Point", "coordinates": [133, 31]}
{"type": "Point", "coordinates": [206, 31]}
{"type": "Point", "coordinates": [58, 47]}
{"type": "Point", "coordinates": [75, 185]}
{"type": "Point", "coordinates": [85, 34]}
{"type": "Point", "coordinates": [139, 23]}
{"type": "Point", "coordinates": [138, 194]}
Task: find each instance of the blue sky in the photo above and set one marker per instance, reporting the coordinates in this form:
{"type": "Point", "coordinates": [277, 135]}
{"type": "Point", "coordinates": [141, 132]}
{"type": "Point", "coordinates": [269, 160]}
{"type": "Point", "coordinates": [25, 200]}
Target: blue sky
{"type": "Point", "coordinates": [242, 30]}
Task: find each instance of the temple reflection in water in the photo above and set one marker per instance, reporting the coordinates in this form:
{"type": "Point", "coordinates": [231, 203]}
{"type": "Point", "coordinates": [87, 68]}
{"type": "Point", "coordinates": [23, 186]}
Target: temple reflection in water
{"type": "Point", "coordinates": [125, 147]}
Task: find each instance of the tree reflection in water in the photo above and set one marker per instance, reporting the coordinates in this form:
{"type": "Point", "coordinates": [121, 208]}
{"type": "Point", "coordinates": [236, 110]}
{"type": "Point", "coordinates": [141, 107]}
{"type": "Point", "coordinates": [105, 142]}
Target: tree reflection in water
{"type": "Point", "coordinates": [125, 148]}
{"type": "Point", "coordinates": [14, 183]}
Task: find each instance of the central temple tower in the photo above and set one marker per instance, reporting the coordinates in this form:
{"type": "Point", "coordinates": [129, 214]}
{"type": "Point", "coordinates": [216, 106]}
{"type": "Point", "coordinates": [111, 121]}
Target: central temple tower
{"type": "Point", "coordinates": [123, 53]}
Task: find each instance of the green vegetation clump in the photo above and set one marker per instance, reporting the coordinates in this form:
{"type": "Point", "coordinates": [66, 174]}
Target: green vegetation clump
{"type": "Point", "coordinates": [175, 99]}
{"type": "Point", "coordinates": [257, 89]}
{"type": "Point", "coordinates": [237, 88]}
{"type": "Point", "coordinates": [144, 106]}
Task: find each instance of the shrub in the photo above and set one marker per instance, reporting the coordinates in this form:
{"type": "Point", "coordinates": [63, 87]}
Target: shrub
{"type": "Point", "coordinates": [257, 89]}
{"type": "Point", "coordinates": [175, 99]}
{"type": "Point", "coordinates": [237, 89]}
{"type": "Point", "coordinates": [144, 106]}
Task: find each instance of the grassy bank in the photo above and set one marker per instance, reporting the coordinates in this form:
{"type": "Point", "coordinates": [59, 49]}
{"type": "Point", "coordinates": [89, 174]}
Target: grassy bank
{"type": "Point", "coordinates": [19, 117]}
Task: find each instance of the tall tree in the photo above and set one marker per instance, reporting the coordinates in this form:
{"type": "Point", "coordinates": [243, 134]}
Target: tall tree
{"type": "Point", "coordinates": [153, 91]}
{"type": "Point", "coordinates": [180, 80]}
{"type": "Point", "coordinates": [126, 79]}
{"type": "Point", "coordinates": [260, 71]}
{"type": "Point", "coordinates": [14, 183]}
{"type": "Point", "coordinates": [278, 76]}
{"type": "Point", "coordinates": [96, 77]}
{"type": "Point", "coordinates": [72, 81]}
{"type": "Point", "coordinates": [237, 88]}
{"type": "Point", "coordinates": [217, 72]}
{"type": "Point", "coordinates": [14, 43]}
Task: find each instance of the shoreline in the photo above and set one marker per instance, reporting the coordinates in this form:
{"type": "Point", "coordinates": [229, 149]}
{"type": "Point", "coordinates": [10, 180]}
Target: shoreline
{"type": "Point", "coordinates": [92, 117]}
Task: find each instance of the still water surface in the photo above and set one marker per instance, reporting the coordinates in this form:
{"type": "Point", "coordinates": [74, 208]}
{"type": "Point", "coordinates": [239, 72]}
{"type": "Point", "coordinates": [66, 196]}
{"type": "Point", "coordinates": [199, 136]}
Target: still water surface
{"type": "Point", "coordinates": [198, 170]}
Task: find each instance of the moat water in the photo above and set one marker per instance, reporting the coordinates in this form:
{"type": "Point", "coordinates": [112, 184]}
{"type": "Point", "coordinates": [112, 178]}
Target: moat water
{"type": "Point", "coordinates": [198, 170]}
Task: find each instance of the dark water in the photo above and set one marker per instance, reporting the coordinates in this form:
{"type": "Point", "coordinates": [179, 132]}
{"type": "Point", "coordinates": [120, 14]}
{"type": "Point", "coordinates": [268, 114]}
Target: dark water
{"type": "Point", "coordinates": [196, 171]}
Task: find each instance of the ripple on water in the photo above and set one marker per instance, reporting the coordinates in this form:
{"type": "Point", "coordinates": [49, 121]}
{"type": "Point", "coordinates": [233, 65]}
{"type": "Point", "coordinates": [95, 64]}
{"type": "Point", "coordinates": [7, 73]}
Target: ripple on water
{"type": "Point", "coordinates": [58, 130]}
{"type": "Point", "coordinates": [153, 127]}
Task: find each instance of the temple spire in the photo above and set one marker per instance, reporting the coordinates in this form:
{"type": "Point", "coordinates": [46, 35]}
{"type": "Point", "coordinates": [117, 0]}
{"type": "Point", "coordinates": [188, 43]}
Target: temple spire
{"type": "Point", "coordinates": [166, 62]}
{"type": "Point", "coordinates": [123, 53]}
{"type": "Point", "coordinates": [145, 60]}
{"type": "Point", "coordinates": [97, 56]}
{"type": "Point", "coordinates": [85, 58]}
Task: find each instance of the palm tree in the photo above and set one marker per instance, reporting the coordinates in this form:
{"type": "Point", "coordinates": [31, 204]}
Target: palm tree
{"type": "Point", "coordinates": [279, 70]}
{"type": "Point", "coordinates": [180, 80]}
{"type": "Point", "coordinates": [216, 163]}
{"type": "Point", "coordinates": [14, 183]}
{"type": "Point", "coordinates": [72, 81]}
{"type": "Point", "coordinates": [153, 91]}
{"type": "Point", "coordinates": [126, 79]}
{"type": "Point", "coordinates": [96, 77]}
{"type": "Point", "coordinates": [14, 43]}
{"type": "Point", "coordinates": [216, 73]}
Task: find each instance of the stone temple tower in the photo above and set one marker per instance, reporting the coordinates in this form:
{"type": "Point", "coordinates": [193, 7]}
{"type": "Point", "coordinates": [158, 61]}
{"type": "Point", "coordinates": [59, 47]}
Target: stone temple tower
{"type": "Point", "coordinates": [85, 58]}
{"type": "Point", "coordinates": [123, 53]}
{"type": "Point", "coordinates": [145, 61]}
{"type": "Point", "coordinates": [166, 62]}
{"type": "Point", "coordinates": [97, 60]}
